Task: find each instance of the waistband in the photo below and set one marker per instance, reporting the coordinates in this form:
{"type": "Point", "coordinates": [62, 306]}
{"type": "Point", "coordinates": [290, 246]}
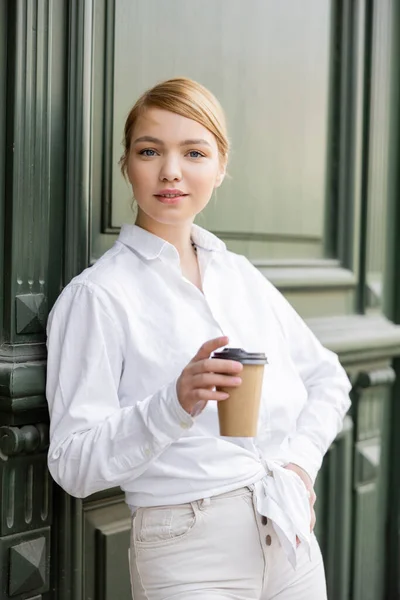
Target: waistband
{"type": "Point", "coordinates": [248, 489]}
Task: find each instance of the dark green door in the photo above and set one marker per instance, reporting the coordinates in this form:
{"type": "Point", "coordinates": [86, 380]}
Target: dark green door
{"type": "Point", "coordinates": [309, 92]}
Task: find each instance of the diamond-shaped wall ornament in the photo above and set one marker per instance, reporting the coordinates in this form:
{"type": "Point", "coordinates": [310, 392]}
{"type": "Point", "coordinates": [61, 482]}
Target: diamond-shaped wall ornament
{"type": "Point", "coordinates": [27, 566]}
{"type": "Point", "coordinates": [30, 312]}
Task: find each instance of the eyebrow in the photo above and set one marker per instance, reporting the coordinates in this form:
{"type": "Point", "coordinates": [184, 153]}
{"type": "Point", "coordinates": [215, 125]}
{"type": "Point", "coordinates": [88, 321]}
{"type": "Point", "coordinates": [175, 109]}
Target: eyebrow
{"type": "Point", "coordinates": [149, 138]}
{"type": "Point", "coordinates": [194, 142]}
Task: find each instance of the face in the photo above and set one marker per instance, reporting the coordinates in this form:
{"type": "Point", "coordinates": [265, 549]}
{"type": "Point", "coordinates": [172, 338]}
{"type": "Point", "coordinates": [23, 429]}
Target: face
{"type": "Point", "coordinates": [173, 167]}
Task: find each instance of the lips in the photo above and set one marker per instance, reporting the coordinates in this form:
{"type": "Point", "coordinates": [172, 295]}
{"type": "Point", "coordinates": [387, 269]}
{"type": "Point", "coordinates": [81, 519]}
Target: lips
{"type": "Point", "coordinates": [170, 196]}
{"type": "Point", "coordinates": [170, 193]}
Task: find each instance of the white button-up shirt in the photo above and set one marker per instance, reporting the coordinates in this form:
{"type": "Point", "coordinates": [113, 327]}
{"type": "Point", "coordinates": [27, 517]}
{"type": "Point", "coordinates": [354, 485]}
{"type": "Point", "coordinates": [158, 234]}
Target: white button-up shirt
{"type": "Point", "coordinates": [119, 336]}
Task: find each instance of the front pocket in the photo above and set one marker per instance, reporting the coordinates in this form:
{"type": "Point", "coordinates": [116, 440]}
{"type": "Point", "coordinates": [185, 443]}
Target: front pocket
{"type": "Point", "coordinates": [157, 525]}
{"type": "Point", "coordinates": [152, 524]}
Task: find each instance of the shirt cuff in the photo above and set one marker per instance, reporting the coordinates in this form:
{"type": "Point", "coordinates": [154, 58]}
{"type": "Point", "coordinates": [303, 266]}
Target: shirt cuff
{"type": "Point", "coordinates": [303, 453]}
{"type": "Point", "coordinates": [184, 418]}
{"type": "Point", "coordinates": [167, 417]}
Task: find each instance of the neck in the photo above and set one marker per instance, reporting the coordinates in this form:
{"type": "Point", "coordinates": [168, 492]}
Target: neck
{"type": "Point", "coordinates": [178, 236]}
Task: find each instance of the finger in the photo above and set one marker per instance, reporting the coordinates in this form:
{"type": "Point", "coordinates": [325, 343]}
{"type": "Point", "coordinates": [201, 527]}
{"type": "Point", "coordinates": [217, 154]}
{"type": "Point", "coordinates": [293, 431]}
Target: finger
{"type": "Point", "coordinates": [210, 380]}
{"type": "Point", "coordinates": [216, 365]}
{"type": "Point", "coordinates": [210, 346]}
{"type": "Point", "coordinates": [201, 394]}
{"type": "Point", "coordinates": [313, 519]}
{"type": "Point", "coordinates": [311, 496]}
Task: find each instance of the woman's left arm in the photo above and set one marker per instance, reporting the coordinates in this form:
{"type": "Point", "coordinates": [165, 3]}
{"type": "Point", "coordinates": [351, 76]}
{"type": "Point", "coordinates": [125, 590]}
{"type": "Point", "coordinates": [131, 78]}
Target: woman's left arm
{"type": "Point", "coordinates": [327, 385]}
{"type": "Point", "coordinates": [324, 378]}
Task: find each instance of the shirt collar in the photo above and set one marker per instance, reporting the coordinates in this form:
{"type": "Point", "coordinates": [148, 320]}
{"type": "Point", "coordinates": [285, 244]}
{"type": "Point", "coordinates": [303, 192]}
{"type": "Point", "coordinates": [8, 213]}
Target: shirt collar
{"type": "Point", "coordinates": [151, 246]}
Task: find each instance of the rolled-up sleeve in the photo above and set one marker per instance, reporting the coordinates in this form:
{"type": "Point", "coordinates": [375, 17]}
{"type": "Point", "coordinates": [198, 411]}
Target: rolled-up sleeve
{"type": "Point", "coordinates": [94, 443]}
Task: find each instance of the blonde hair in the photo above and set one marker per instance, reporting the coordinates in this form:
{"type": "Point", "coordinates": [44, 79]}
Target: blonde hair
{"type": "Point", "coordinates": [184, 97]}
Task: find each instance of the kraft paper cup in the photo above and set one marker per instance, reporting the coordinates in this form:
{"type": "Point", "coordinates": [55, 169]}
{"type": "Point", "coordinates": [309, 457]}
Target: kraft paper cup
{"type": "Point", "coordinates": [238, 415]}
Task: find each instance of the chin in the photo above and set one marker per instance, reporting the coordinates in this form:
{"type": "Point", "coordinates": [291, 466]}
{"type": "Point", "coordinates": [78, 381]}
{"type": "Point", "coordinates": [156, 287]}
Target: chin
{"type": "Point", "coordinates": [169, 214]}
{"type": "Point", "coordinates": [174, 221]}
{"type": "Point", "coordinates": [170, 217]}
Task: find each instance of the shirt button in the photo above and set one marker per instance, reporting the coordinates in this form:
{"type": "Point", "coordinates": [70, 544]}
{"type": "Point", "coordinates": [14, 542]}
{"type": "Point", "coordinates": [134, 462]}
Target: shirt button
{"type": "Point", "coordinates": [268, 540]}
{"type": "Point", "coordinates": [264, 520]}
{"type": "Point", "coordinates": [147, 451]}
{"type": "Point", "coordinates": [184, 425]}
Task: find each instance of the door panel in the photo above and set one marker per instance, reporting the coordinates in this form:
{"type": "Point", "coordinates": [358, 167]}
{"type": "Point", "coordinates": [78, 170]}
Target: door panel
{"type": "Point", "coordinates": [106, 543]}
{"type": "Point", "coordinates": [270, 68]}
{"type": "Point", "coordinates": [371, 479]}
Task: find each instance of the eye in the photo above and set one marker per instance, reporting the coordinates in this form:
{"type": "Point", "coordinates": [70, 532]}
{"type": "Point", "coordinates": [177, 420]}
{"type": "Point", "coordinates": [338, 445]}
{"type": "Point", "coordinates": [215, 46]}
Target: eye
{"type": "Point", "coordinates": [195, 154]}
{"type": "Point", "coordinates": [148, 152]}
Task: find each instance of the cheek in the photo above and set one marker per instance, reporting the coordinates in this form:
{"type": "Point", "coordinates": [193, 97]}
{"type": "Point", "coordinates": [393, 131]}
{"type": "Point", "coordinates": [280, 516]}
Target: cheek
{"type": "Point", "coordinates": [204, 177]}
{"type": "Point", "coordinates": [139, 174]}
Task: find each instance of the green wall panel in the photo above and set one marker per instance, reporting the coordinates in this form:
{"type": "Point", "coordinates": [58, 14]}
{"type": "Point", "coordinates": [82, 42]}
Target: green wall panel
{"type": "Point", "coordinates": [34, 185]}
{"type": "Point", "coordinates": [334, 510]}
{"type": "Point", "coordinates": [106, 539]}
{"type": "Point", "coordinates": [33, 81]}
{"type": "Point", "coordinates": [371, 412]}
{"type": "Point", "coordinates": [69, 71]}
{"type": "Point", "coordinates": [270, 67]}
{"type": "Point", "coordinates": [381, 141]}
{"type": "Point", "coordinates": [3, 90]}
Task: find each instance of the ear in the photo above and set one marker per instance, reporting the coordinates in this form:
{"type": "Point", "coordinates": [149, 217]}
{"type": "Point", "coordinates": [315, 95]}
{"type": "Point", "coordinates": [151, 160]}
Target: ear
{"type": "Point", "coordinates": [220, 176]}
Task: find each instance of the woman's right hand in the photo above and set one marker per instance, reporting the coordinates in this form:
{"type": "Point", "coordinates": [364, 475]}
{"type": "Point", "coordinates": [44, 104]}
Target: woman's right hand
{"type": "Point", "coordinates": [198, 380]}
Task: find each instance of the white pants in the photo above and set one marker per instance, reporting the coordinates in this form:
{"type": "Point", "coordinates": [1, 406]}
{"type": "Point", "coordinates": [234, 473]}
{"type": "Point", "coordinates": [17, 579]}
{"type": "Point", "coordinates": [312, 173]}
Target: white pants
{"type": "Point", "coordinates": [217, 549]}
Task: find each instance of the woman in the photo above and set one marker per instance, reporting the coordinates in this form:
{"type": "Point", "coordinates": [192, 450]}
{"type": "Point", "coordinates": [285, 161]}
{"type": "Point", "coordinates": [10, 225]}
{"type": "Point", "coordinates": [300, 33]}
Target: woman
{"type": "Point", "coordinates": [132, 389]}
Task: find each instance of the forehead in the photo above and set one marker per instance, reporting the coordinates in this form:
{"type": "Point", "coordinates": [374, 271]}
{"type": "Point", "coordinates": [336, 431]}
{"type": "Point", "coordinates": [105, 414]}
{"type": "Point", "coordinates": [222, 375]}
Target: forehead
{"type": "Point", "coordinates": [170, 127]}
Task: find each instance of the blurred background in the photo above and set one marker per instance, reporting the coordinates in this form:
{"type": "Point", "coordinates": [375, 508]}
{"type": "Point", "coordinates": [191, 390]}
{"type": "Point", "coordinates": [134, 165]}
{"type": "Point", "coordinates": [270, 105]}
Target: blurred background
{"type": "Point", "coordinates": [311, 92]}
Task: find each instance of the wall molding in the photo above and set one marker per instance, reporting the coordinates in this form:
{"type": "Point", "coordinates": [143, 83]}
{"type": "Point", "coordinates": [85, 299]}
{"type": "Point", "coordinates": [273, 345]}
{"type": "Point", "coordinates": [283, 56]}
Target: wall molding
{"type": "Point", "coordinates": [67, 561]}
{"type": "Point", "coordinates": [382, 144]}
{"type": "Point", "coordinates": [27, 186]}
{"type": "Point", "coordinates": [246, 236]}
{"type": "Point", "coordinates": [108, 120]}
{"type": "Point", "coordinates": [267, 237]}
{"type": "Point", "coordinates": [79, 118]}
{"type": "Point", "coordinates": [358, 338]}
{"type": "Point", "coordinates": [303, 276]}
{"type": "Point", "coordinates": [3, 114]}
{"type": "Point", "coordinates": [24, 440]}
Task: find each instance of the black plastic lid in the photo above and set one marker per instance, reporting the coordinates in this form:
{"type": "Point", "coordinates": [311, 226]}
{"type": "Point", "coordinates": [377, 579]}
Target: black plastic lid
{"type": "Point", "coordinates": [240, 355]}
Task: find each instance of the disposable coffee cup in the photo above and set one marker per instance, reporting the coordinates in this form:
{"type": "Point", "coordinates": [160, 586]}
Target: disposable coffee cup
{"type": "Point", "coordinates": [238, 415]}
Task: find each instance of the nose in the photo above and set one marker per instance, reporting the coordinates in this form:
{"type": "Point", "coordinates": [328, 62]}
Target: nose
{"type": "Point", "coordinates": [170, 169]}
